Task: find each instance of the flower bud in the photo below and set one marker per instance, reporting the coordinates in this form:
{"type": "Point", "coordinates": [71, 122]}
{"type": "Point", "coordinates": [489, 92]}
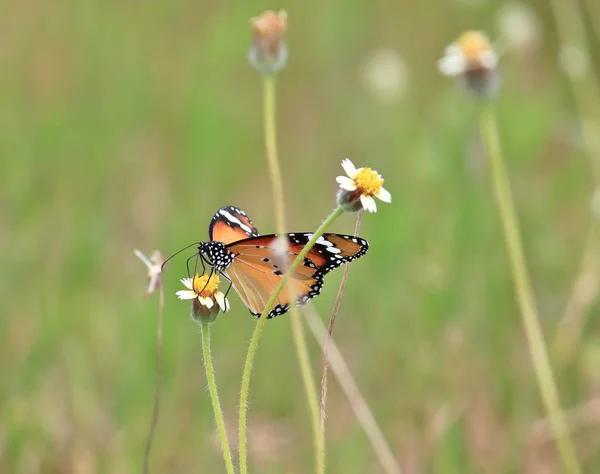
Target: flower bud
{"type": "Point", "coordinates": [202, 314]}
{"type": "Point", "coordinates": [268, 53]}
{"type": "Point", "coordinates": [349, 201]}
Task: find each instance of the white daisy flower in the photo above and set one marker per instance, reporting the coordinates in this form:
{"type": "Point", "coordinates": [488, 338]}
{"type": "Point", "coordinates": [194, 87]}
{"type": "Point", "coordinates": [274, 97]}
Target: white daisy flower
{"type": "Point", "coordinates": [205, 292]}
{"type": "Point", "coordinates": [358, 188]}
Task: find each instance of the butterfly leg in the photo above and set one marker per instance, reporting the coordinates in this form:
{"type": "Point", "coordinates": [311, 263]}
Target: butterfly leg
{"type": "Point", "coordinates": [230, 283]}
{"type": "Point", "coordinates": [212, 270]}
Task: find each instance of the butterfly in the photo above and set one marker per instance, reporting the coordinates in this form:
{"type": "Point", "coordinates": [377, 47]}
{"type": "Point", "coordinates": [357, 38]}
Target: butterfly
{"type": "Point", "coordinates": [254, 267]}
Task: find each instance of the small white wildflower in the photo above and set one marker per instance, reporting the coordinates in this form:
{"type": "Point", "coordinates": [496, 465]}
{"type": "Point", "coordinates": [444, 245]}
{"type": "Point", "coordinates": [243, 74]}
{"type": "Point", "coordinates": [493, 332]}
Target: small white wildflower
{"type": "Point", "coordinates": [358, 188]}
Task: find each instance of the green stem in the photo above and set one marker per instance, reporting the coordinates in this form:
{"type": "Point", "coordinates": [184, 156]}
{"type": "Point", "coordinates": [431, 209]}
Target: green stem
{"type": "Point", "coordinates": [296, 325]}
{"type": "Point", "coordinates": [334, 312]}
{"type": "Point", "coordinates": [243, 414]}
{"type": "Point", "coordinates": [310, 389]}
{"type": "Point", "coordinates": [158, 387]}
{"type": "Point", "coordinates": [524, 293]}
{"type": "Point", "coordinates": [214, 397]}
{"type": "Point", "coordinates": [271, 147]}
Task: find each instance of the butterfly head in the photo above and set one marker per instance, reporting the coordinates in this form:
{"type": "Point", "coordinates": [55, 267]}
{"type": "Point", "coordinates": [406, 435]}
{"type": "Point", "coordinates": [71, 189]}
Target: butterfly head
{"type": "Point", "coordinates": [216, 254]}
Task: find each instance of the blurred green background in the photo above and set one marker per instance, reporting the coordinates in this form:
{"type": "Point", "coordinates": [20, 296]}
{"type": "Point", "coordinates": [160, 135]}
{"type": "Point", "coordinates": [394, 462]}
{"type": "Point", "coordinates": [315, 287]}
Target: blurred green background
{"type": "Point", "coordinates": [128, 124]}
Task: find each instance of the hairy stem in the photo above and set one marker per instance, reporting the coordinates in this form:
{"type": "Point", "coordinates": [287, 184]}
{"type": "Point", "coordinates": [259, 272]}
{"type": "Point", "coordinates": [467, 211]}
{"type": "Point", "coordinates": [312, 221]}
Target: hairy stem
{"type": "Point", "coordinates": [296, 325]}
{"type": "Point", "coordinates": [214, 397]}
{"type": "Point", "coordinates": [243, 413]}
{"type": "Point", "coordinates": [310, 389]}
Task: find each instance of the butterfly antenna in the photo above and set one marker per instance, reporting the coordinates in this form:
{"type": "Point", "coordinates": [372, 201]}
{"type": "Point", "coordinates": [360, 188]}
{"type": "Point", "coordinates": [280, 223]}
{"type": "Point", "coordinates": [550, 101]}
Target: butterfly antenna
{"type": "Point", "coordinates": [177, 253]}
{"type": "Point", "coordinates": [187, 265]}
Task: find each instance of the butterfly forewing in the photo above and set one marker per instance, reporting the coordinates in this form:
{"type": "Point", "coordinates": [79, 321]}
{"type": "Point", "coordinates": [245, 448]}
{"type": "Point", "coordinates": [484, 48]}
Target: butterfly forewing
{"type": "Point", "coordinates": [230, 224]}
{"type": "Point", "coordinates": [331, 250]}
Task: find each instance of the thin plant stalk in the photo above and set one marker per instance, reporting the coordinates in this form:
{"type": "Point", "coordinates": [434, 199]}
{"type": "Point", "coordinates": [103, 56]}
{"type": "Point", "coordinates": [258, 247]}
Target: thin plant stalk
{"type": "Point", "coordinates": [334, 312]}
{"type": "Point", "coordinates": [571, 27]}
{"type": "Point", "coordinates": [310, 388]}
{"type": "Point", "coordinates": [300, 345]}
{"type": "Point", "coordinates": [271, 148]}
{"type": "Point", "coordinates": [524, 293]}
{"type": "Point", "coordinates": [158, 378]}
{"type": "Point", "coordinates": [357, 401]}
{"type": "Point", "coordinates": [243, 413]}
{"type": "Point", "coordinates": [214, 397]}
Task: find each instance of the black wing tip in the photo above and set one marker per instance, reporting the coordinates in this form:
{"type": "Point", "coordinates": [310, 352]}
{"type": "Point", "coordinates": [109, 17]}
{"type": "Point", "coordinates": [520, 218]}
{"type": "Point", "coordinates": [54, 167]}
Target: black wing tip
{"type": "Point", "coordinates": [234, 209]}
{"type": "Point", "coordinates": [231, 210]}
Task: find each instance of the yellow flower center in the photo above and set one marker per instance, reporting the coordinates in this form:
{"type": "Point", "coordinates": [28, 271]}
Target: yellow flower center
{"type": "Point", "coordinates": [205, 287]}
{"type": "Point", "coordinates": [368, 182]}
{"type": "Point", "coordinates": [473, 44]}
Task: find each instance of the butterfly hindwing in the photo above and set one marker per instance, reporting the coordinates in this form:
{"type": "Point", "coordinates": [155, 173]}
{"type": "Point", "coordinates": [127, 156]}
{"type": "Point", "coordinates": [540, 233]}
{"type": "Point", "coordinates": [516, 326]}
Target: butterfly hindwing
{"type": "Point", "coordinates": [257, 267]}
{"type": "Point", "coordinates": [230, 224]}
{"type": "Point", "coordinates": [255, 282]}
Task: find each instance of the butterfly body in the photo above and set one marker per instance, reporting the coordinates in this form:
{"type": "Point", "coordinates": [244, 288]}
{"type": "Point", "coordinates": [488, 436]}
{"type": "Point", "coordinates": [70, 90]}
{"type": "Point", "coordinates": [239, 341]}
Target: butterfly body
{"type": "Point", "coordinates": [254, 264]}
{"type": "Point", "coordinates": [216, 254]}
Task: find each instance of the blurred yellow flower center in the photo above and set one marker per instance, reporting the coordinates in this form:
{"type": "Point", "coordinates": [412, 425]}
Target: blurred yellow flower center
{"type": "Point", "coordinates": [473, 44]}
{"type": "Point", "coordinates": [205, 287]}
{"type": "Point", "coordinates": [368, 181]}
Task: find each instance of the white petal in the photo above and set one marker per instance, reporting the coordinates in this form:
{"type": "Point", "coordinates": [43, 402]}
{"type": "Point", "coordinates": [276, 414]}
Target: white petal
{"type": "Point", "coordinates": [368, 203]}
{"type": "Point", "coordinates": [186, 295]}
{"type": "Point", "coordinates": [346, 183]}
{"type": "Point", "coordinates": [349, 167]}
{"type": "Point", "coordinates": [143, 258]}
{"type": "Point", "coordinates": [453, 63]}
{"type": "Point", "coordinates": [208, 302]}
{"type": "Point", "coordinates": [489, 59]}
{"type": "Point", "coordinates": [188, 283]}
{"type": "Point", "coordinates": [452, 49]}
{"type": "Point", "coordinates": [220, 297]}
{"type": "Point", "coordinates": [384, 195]}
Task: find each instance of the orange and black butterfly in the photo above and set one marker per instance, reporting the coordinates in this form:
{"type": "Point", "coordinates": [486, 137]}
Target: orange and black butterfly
{"type": "Point", "coordinates": [254, 267]}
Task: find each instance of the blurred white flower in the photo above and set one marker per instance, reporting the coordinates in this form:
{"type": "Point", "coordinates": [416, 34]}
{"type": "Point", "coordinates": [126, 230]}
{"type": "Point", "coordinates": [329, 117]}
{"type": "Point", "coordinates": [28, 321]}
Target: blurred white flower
{"type": "Point", "coordinates": [573, 61]}
{"type": "Point", "coordinates": [154, 266]}
{"type": "Point", "coordinates": [519, 26]}
{"type": "Point", "coordinates": [385, 75]}
{"type": "Point", "coordinates": [471, 51]}
{"type": "Point", "coordinates": [473, 60]}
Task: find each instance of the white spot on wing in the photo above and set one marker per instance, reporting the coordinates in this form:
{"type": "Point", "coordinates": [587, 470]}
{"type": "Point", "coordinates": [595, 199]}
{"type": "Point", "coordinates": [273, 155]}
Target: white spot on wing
{"type": "Point", "coordinates": [231, 218]}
